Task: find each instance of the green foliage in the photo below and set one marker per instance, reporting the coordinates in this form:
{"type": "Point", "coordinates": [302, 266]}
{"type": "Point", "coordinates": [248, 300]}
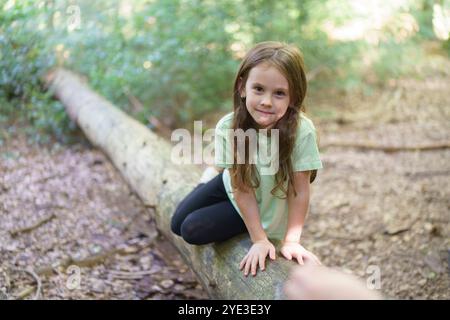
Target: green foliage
{"type": "Point", "coordinates": [24, 60]}
{"type": "Point", "coordinates": [179, 57]}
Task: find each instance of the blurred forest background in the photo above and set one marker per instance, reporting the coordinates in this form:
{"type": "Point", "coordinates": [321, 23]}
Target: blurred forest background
{"type": "Point", "coordinates": [379, 72]}
{"type": "Point", "coordinates": [178, 58]}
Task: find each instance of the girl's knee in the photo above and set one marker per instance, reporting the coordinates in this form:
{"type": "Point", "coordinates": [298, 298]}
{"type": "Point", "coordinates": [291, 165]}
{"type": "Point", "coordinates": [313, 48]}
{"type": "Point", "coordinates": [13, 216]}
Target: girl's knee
{"type": "Point", "coordinates": [175, 225]}
{"type": "Point", "coordinates": [192, 233]}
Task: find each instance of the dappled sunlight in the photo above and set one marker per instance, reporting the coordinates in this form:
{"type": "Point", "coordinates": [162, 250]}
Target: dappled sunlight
{"type": "Point", "coordinates": [441, 21]}
{"type": "Point", "coordinates": [371, 21]}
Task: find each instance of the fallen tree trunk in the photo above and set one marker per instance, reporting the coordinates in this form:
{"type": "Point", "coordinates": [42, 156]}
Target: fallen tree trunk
{"type": "Point", "coordinates": [144, 160]}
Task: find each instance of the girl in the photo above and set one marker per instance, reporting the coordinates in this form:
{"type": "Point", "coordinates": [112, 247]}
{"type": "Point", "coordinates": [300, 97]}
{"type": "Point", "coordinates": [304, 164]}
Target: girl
{"type": "Point", "coordinates": [269, 90]}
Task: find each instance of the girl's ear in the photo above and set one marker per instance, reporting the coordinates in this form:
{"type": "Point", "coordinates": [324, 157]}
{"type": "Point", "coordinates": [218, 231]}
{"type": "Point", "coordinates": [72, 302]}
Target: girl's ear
{"type": "Point", "coordinates": [241, 87]}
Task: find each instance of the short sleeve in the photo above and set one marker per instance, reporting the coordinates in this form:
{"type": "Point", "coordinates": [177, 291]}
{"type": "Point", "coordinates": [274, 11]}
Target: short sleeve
{"type": "Point", "coordinates": [305, 155]}
{"type": "Point", "coordinates": [223, 156]}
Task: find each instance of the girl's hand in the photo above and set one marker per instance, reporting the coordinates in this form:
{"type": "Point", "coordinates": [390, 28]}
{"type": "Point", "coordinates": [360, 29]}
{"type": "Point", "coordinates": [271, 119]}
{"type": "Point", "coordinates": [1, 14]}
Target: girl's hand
{"type": "Point", "coordinates": [295, 250]}
{"type": "Point", "coordinates": [257, 255]}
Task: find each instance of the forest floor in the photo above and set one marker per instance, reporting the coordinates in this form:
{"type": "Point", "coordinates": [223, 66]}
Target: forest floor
{"type": "Point", "coordinates": [385, 210]}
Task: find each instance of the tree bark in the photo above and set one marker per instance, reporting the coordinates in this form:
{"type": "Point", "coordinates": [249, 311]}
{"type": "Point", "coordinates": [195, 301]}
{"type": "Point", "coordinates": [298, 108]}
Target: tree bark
{"type": "Point", "coordinates": [144, 160]}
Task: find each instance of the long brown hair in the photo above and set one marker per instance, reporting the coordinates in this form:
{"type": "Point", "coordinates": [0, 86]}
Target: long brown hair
{"type": "Point", "coordinates": [289, 61]}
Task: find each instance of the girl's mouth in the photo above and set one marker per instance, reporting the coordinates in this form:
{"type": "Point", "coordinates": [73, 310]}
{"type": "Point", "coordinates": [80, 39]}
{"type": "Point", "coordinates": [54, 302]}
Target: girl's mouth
{"type": "Point", "coordinates": [264, 112]}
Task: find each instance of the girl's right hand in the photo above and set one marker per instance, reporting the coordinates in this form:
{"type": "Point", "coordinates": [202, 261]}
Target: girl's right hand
{"type": "Point", "coordinates": [257, 256]}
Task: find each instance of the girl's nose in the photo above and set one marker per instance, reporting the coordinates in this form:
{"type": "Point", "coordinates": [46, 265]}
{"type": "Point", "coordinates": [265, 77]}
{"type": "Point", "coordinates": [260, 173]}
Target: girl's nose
{"type": "Point", "coordinates": [266, 101]}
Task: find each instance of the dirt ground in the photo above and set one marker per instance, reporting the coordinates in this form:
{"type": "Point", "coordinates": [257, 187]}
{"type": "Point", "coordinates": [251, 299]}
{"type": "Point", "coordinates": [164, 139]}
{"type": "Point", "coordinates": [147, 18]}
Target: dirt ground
{"type": "Point", "coordinates": [62, 206]}
{"type": "Point", "coordinates": [389, 210]}
{"type": "Point", "coordinates": [92, 219]}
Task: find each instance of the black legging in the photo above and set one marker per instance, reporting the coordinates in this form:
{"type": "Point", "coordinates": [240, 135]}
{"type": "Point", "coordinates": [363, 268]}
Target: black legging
{"type": "Point", "coordinates": [206, 215]}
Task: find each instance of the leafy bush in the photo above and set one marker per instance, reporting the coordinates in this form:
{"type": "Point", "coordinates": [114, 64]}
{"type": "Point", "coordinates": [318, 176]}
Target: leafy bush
{"type": "Point", "coordinates": [25, 57]}
{"type": "Point", "coordinates": [178, 57]}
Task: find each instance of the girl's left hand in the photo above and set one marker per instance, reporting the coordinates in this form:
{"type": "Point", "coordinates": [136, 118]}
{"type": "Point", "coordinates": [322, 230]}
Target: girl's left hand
{"type": "Point", "coordinates": [295, 250]}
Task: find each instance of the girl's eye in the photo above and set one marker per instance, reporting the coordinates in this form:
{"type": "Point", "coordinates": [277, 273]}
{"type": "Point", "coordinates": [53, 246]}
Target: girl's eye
{"type": "Point", "coordinates": [280, 93]}
{"type": "Point", "coordinates": [258, 89]}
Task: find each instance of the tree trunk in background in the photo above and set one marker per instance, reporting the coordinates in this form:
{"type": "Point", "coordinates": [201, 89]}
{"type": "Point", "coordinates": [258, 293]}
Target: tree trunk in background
{"type": "Point", "coordinates": [144, 160]}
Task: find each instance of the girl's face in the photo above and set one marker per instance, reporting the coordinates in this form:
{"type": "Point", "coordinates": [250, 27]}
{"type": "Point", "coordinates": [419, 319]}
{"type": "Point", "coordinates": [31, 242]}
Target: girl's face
{"type": "Point", "coordinates": [267, 95]}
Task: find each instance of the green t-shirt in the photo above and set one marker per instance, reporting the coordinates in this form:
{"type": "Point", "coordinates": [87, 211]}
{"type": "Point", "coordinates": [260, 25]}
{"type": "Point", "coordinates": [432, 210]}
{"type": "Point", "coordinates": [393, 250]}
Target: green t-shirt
{"type": "Point", "coordinates": [305, 156]}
